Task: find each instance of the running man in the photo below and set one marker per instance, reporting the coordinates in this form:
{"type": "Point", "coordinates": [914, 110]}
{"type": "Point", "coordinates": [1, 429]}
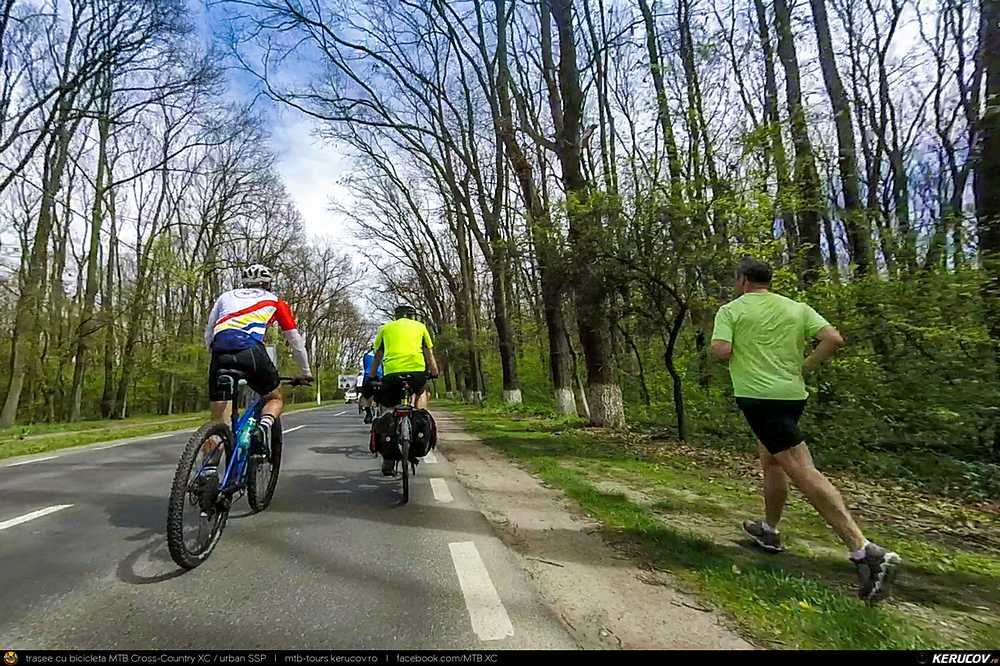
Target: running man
{"type": "Point", "coordinates": [763, 336]}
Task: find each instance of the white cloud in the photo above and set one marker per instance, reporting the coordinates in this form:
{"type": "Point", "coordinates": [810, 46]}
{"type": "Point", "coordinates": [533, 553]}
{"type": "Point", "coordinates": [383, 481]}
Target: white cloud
{"type": "Point", "coordinates": [311, 169]}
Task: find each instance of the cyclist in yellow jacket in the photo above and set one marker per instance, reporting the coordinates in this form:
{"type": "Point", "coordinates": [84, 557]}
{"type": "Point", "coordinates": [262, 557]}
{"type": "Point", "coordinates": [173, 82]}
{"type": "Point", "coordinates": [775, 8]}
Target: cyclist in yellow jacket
{"type": "Point", "coordinates": [405, 351]}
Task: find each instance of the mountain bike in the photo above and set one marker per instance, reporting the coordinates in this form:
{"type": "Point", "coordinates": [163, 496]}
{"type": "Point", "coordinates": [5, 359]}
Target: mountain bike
{"type": "Point", "coordinates": [199, 493]}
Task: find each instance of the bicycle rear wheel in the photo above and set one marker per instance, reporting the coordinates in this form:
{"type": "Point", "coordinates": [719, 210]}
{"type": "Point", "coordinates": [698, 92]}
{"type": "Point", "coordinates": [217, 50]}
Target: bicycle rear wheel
{"type": "Point", "coordinates": [262, 476]}
{"type": "Point", "coordinates": [405, 432]}
{"type": "Point", "coordinates": [195, 514]}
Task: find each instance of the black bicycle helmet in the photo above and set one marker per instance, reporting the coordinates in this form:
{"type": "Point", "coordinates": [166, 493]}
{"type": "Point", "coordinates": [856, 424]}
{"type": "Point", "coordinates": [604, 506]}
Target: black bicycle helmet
{"type": "Point", "coordinates": [405, 310]}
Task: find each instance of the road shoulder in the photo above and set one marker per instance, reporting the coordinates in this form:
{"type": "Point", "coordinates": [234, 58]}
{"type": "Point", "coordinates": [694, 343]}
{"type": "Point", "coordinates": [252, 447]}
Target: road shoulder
{"type": "Point", "coordinates": [602, 596]}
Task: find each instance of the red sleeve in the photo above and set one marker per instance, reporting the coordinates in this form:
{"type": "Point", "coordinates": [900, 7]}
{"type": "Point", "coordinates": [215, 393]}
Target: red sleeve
{"type": "Point", "coordinates": [283, 315]}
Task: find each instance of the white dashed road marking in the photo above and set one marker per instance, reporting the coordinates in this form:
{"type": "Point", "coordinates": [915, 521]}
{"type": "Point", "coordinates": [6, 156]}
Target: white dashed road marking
{"type": "Point", "coordinates": [490, 621]}
{"type": "Point", "coordinates": [285, 432]}
{"type": "Point", "coordinates": [441, 491]}
{"type": "Point", "coordinates": [34, 514]}
{"type": "Point", "coordinates": [429, 458]}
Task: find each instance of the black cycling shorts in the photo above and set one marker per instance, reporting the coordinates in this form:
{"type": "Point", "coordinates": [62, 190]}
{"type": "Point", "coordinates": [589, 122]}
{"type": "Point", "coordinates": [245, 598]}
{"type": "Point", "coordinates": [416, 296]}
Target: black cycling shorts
{"type": "Point", "coordinates": [391, 393]}
{"type": "Point", "coordinates": [260, 372]}
{"type": "Point", "coordinates": [774, 422]}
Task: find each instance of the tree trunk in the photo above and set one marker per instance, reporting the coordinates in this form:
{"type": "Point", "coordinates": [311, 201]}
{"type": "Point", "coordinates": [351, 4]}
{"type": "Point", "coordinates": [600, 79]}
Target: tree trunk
{"type": "Point", "coordinates": [25, 338]}
{"type": "Point", "coordinates": [987, 184]}
{"type": "Point", "coordinates": [858, 236]}
{"type": "Point", "coordinates": [630, 341]}
{"type": "Point", "coordinates": [675, 377]}
{"type": "Point", "coordinates": [662, 105]}
{"type": "Point", "coordinates": [580, 397]}
{"type": "Point", "coordinates": [542, 233]}
{"type": "Point", "coordinates": [89, 326]}
{"type": "Point", "coordinates": [107, 316]}
{"type": "Point", "coordinates": [831, 245]}
{"type": "Point", "coordinates": [777, 144]}
{"type": "Point", "coordinates": [586, 236]}
{"type": "Point", "coordinates": [466, 311]}
{"type": "Point", "coordinates": [505, 333]}
{"type": "Point", "coordinates": [806, 177]}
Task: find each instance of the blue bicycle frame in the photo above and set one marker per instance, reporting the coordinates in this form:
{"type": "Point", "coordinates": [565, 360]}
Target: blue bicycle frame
{"type": "Point", "coordinates": [237, 467]}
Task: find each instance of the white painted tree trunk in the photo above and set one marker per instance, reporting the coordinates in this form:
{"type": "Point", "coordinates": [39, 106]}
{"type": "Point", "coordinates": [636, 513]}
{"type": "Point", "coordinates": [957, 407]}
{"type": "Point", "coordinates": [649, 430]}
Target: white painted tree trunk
{"type": "Point", "coordinates": [512, 397]}
{"type": "Point", "coordinates": [565, 402]}
{"type": "Point", "coordinates": [607, 409]}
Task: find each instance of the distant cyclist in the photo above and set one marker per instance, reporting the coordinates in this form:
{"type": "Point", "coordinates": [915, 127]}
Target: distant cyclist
{"type": "Point", "coordinates": [405, 351]}
{"type": "Point", "coordinates": [359, 384]}
{"type": "Point", "coordinates": [368, 402]}
{"type": "Point", "coordinates": [235, 337]}
{"type": "Point", "coordinates": [763, 336]}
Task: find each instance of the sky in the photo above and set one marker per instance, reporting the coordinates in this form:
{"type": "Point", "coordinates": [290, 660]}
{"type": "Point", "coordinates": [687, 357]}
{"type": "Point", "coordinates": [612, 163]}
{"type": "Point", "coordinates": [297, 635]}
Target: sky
{"type": "Point", "coordinates": [310, 167]}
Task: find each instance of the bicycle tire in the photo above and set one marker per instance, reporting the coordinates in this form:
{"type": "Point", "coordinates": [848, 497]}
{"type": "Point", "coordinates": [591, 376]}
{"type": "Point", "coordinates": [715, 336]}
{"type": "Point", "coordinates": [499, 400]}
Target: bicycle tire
{"type": "Point", "coordinates": [404, 448]}
{"type": "Point", "coordinates": [259, 502]}
{"type": "Point", "coordinates": [179, 551]}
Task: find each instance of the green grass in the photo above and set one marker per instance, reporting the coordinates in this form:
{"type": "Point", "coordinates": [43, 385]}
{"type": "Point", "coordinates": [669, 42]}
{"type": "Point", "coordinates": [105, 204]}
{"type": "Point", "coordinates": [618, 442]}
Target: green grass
{"type": "Point", "coordinates": [678, 510]}
{"type": "Point", "coordinates": [29, 439]}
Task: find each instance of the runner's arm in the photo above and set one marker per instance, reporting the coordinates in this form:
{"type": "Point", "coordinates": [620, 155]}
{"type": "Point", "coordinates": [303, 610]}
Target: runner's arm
{"type": "Point", "coordinates": [722, 336]}
{"type": "Point", "coordinates": [296, 343]}
{"type": "Point", "coordinates": [830, 341]}
{"type": "Point", "coordinates": [722, 350]}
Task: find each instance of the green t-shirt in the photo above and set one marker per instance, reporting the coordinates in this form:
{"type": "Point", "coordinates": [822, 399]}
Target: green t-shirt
{"type": "Point", "coordinates": [768, 333]}
{"type": "Point", "coordinates": [403, 341]}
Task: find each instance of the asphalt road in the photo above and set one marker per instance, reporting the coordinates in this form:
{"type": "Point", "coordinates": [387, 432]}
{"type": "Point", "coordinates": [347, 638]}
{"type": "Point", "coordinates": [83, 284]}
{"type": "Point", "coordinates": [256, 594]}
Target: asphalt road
{"type": "Point", "coordinates": [335, 563]}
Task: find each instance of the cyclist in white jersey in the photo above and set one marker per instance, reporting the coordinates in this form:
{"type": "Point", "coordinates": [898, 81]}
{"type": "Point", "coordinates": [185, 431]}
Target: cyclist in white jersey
{"type": "Point", "coordinates": [235, 337]}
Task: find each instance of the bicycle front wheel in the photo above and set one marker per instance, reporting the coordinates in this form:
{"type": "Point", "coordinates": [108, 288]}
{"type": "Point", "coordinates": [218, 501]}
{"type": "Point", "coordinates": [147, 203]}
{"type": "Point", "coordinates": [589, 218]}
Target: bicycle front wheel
{"type": "Point", "coordinates": [262, 475]}
{"type": "Point", "coordinates": [196, 514]}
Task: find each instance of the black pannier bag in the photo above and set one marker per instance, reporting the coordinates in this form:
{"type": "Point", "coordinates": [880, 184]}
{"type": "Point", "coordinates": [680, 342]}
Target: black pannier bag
{"type": "Point", "coordinates": [424, 434]}
{"type": "Point", "coordinates": [384, 437]}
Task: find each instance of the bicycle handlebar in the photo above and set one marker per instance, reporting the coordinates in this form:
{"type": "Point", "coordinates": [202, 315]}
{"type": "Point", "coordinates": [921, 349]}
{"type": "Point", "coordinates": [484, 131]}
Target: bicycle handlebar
{"type": "Point", "coordinates": [294, 381]}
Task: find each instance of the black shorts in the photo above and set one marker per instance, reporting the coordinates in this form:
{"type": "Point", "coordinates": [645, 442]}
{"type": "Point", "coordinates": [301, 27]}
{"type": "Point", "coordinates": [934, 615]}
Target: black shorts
{"type": "Point", "coordinates": [391, 393]}
{"type": "Point", "coordinates": [261, 374]}
{"type": "Point", "coordinates": [775, 422]}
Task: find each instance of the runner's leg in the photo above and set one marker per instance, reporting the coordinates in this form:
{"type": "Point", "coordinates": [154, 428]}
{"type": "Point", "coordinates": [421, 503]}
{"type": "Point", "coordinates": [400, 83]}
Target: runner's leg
{"type": "Point", "coordinates": [798, 464]}
{"type": "Point", "coordinates": [775, 487]}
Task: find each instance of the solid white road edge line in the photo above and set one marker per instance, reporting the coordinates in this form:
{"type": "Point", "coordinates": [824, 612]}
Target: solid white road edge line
{"type": "Point", "coordinates": [490, 621]}
{"type": "Point", "coordinates": [441, 491]}
{"type": "Point", "coordinates": [34, 514]}
{"type": "Point", "coordinates": [33, 460]}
